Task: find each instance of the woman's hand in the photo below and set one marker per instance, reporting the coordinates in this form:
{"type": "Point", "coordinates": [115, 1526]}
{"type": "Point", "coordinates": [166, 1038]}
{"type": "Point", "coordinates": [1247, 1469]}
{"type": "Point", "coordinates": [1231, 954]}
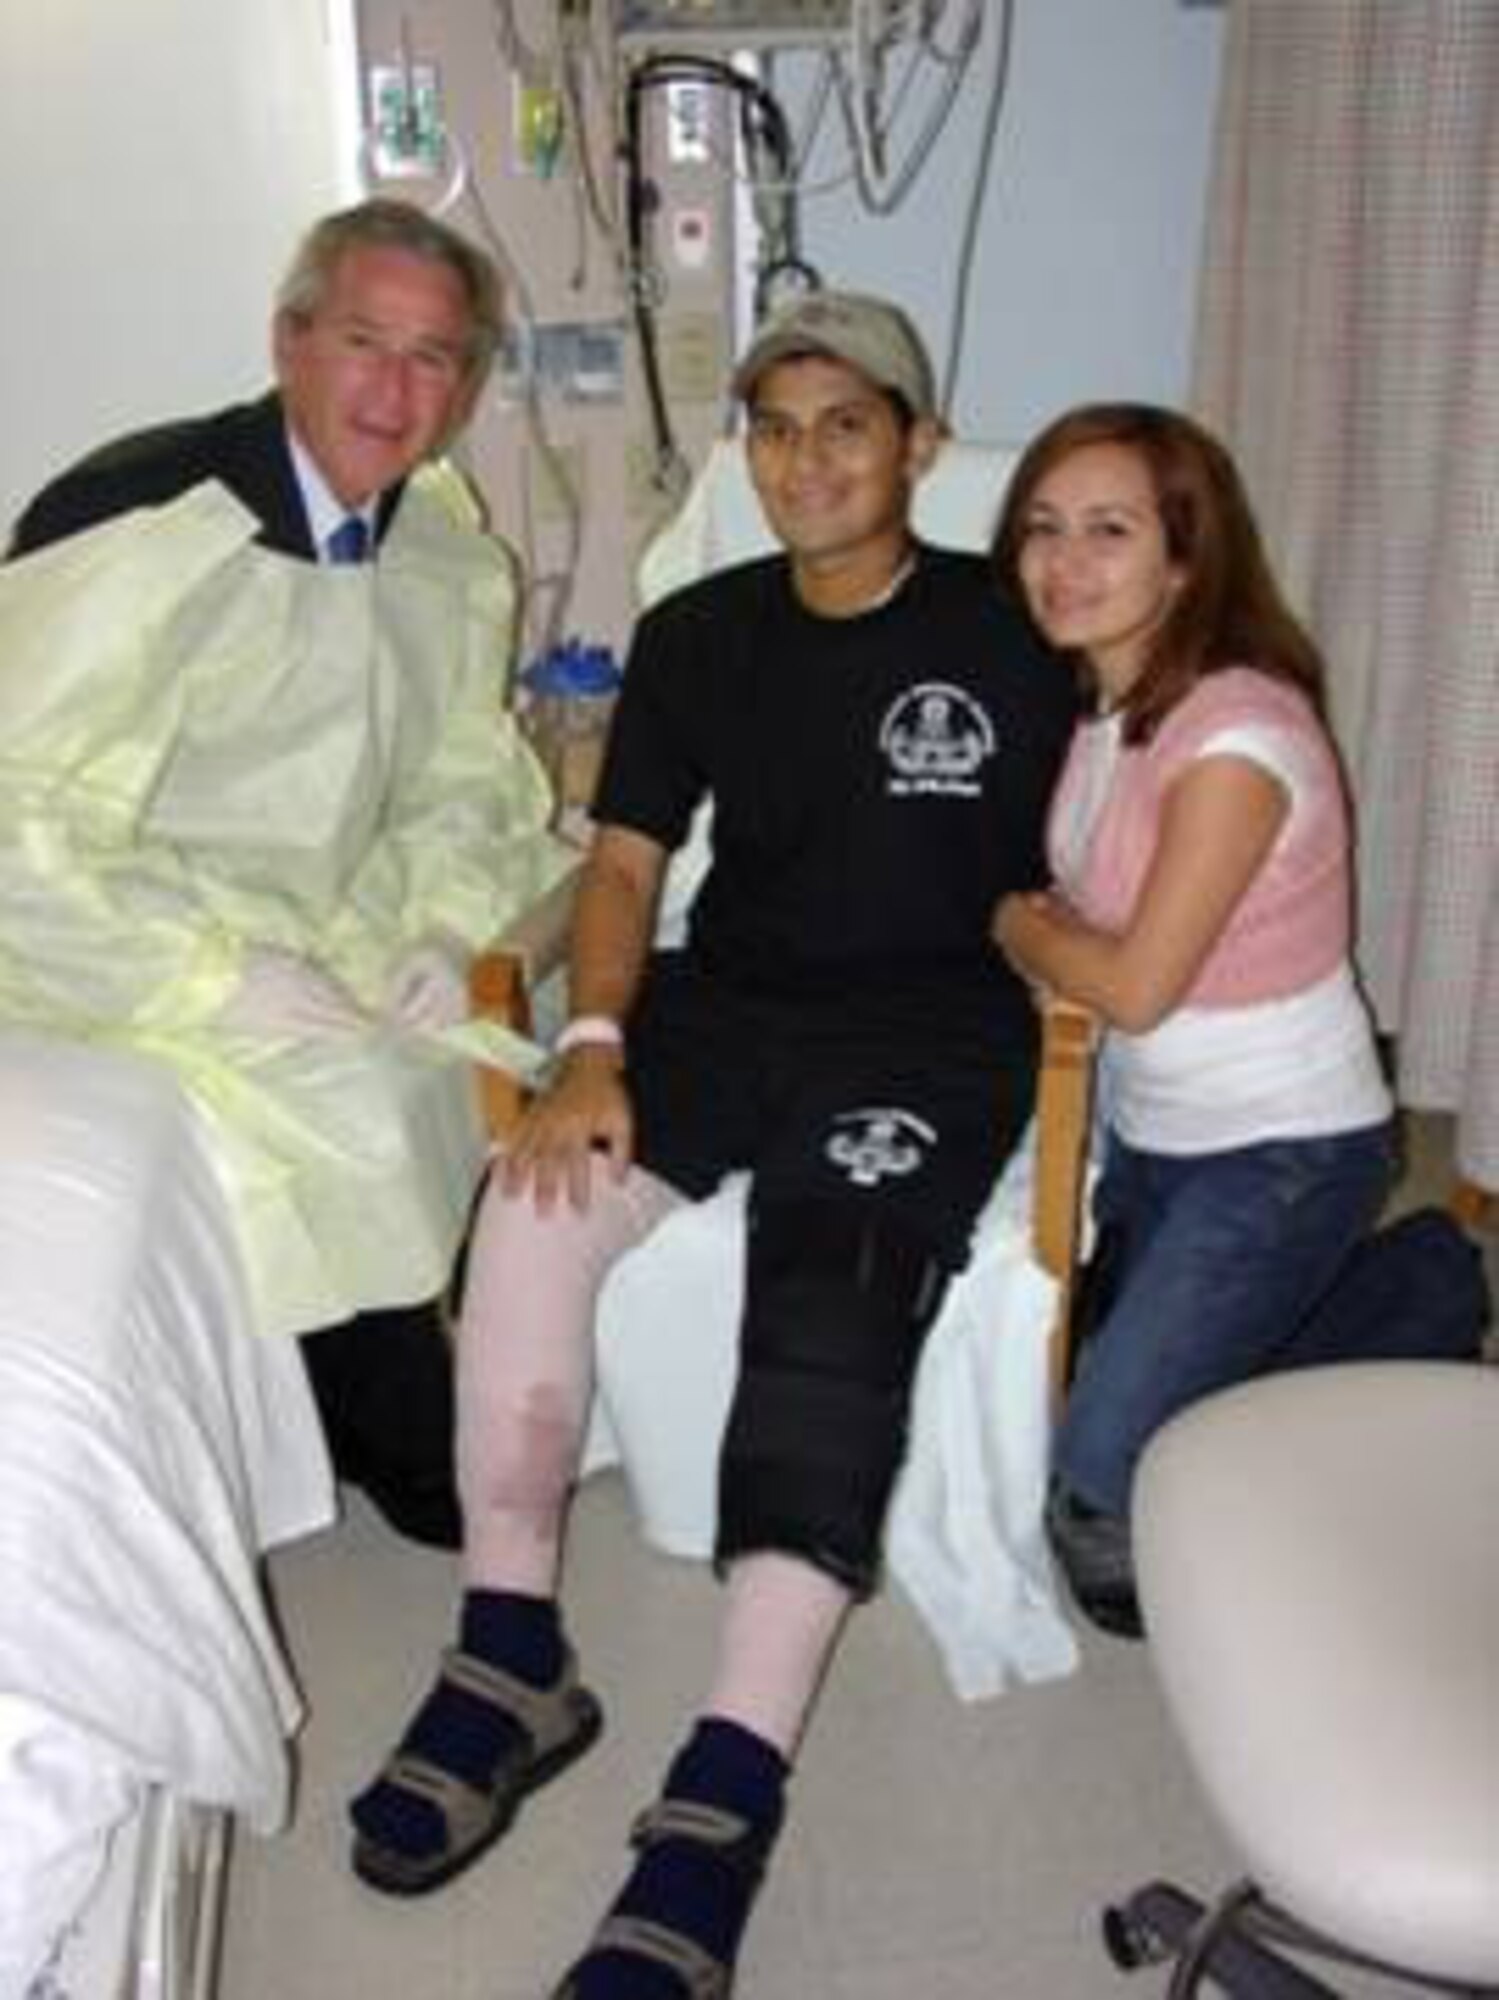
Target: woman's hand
{"type": "Point", "coordinates": [1218, 826]}
{"type": "Point", "coordinates": [1041, 934]}
{"type": "Point", "coordinates": [1025, 925]}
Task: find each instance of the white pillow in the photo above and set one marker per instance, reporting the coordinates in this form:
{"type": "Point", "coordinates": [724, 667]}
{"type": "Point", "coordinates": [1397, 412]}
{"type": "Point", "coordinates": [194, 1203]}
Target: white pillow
{"type": "Point", "coordinates": [720, 521]}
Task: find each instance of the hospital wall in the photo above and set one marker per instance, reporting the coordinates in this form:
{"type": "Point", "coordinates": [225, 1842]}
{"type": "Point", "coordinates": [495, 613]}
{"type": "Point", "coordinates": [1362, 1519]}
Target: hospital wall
{"type": "Point", "coordinates": [1085, 271]}
{"type": "Point", "coordinates": [158, 159]}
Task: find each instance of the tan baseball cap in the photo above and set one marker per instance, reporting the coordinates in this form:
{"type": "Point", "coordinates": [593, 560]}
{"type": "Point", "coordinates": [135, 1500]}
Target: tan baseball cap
{"type": "Point", "coordinates": [869, 334]}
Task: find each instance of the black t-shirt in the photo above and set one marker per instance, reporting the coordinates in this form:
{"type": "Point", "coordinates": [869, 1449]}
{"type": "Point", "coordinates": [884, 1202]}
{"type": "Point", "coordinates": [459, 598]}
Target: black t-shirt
{"type": "Point", "coordinates": [878, 782]}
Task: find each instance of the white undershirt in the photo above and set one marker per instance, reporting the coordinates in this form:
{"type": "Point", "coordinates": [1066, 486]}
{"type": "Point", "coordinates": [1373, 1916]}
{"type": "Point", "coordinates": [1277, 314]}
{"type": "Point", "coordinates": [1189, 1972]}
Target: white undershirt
{"type": "Point", "coordinates": [1281, 1069]}
{"type": "Point", "coordinates": [1093, 772]}
{"type": "Point", "coordinates": [325, 511]}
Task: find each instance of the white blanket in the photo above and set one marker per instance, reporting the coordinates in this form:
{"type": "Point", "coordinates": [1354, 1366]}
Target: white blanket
{"type": "Point", "coordinates": [150, 1449]}
{"type": "Point", "coordinates": [721, 521]}
{"type": "Point", "coordinates": [965, 1540]}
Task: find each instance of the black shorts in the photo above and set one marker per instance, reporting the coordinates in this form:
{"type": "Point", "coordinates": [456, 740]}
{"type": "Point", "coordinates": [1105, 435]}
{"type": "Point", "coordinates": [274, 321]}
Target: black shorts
{"type": "Point", "coordinates": [826, 1101]}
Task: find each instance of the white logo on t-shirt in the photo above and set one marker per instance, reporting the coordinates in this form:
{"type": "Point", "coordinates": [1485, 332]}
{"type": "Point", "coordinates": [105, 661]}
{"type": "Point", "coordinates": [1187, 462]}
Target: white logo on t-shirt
{"type": "Point", "coordinates": [935, 738]}
{"type": "Point", "coordinates": [872, 1144]}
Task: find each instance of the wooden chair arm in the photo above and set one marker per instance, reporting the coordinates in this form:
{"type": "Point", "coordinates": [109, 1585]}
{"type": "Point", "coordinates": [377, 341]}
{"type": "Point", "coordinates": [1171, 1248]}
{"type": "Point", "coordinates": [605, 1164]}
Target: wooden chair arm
{"type": "Point", "coordinates": [499, 990]}
{"type": "Point", "coordinates": [503, 977]}
{"type": "Point", "coordinates": [1475, 1207]}
{"type": "Point", "coordinates": [538, 936]}
{"type": "Point", "coordinates": [501, 982]}
{"type": "Point", "coordinates": [1064, 1110]}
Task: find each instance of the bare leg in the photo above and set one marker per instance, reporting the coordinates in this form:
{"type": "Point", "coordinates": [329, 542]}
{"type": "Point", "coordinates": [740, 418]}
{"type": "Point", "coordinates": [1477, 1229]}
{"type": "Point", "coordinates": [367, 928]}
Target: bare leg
{"type": "Point", "coordinates": [506, 1713]}
{"type": "Point", "coordinates": [525, 1369]}
{"type": "Point", "coordinates": [705, 1844]}
{"type": "Point", "coordinates": [781, 1623]}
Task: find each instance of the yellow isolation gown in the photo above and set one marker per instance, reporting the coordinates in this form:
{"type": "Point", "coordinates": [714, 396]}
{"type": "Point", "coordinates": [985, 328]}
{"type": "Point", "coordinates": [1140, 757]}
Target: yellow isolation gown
{"type": "Point", "coordinates": [207, 746]}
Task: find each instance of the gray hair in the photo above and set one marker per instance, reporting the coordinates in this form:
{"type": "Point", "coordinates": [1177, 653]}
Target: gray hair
{"type": "Point", "coordinates": [395, 225]}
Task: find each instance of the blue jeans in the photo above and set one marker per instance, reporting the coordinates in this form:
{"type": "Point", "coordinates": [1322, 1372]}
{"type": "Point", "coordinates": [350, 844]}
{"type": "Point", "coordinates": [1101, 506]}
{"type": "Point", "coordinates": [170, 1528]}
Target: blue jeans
{"type": "Point", "coordinates": [1220, 1258]}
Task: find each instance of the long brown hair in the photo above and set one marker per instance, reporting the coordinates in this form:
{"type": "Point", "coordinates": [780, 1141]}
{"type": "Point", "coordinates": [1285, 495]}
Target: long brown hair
{"type": "Point", "coordinates": [1229, 610]}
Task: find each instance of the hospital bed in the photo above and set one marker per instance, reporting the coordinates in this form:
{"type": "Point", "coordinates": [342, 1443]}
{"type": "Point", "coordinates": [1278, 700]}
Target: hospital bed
{"type": "Point", "coordinates": [152, 1445]}
{"type": "Point", "coordinates": [151, 1449]}
{"type": "Point", "coordinates": [965, 1540]}
{"type": "Point", "coordinates": [150, 1931]}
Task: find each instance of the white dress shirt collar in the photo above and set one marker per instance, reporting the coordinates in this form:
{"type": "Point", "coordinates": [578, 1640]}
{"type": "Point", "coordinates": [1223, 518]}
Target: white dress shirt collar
{"type": "Point", "coordinates": [325, 511]}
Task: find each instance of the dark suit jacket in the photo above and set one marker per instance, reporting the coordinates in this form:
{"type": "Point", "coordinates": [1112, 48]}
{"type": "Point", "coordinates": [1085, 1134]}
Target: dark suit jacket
{"type": "Point", "coordinates": [244, 447]}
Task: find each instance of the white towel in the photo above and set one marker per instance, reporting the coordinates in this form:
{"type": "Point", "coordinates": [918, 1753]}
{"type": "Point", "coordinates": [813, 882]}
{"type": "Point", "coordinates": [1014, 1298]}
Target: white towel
{"type": "Point", "coordinates": [964, 1540]}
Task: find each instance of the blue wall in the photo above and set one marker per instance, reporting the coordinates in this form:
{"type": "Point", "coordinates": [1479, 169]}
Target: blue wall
{"type": "Point", "coordinates": [1085, 277]}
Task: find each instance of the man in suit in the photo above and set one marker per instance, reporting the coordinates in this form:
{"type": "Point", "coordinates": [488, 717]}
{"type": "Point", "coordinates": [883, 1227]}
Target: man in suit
{"type": "Point", "coordinates": [414, 826]}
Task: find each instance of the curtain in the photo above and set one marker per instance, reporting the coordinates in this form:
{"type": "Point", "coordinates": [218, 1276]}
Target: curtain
{"type": "Point", "coordinates": [1348, 351]}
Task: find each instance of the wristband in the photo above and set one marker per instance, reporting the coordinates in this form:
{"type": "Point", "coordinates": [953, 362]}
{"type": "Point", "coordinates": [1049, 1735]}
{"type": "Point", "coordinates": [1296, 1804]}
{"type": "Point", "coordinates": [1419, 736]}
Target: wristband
{"type": "Point", "coordinates": [589, 1031]}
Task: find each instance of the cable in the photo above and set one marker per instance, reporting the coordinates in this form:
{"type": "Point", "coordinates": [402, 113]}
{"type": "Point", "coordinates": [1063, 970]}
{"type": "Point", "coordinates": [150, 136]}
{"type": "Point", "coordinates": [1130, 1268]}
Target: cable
{"type": "Point", "coordinates": [860, 78]}
{"type": "Point", "coordinates": [644, 284]}
{"type": "Point", "coordinates": [762, 120]}
{"type": "Point", "coordinates": [794, 181]}
{"type": "Point", "coordinates": [518, 55]}
{"type": "Point", "coordinates": [763, 127]}
{"type": "Point", "coordinates": [574, 48]}
{"type": "Point", "coordinates": [998, 91]}
{"type": "Point", "coordinates": [813, 114]}
{"type": "Point", "coordinates": [535, 582]}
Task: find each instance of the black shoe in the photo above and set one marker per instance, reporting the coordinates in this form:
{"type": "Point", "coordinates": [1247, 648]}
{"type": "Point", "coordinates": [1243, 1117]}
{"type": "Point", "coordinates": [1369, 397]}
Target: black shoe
{"type": "Point", "coordinates": [384, 1389]}
{"type": "Point", "coordinates": [422, 1512]}
{"type": "Point", "coordinates": [1094, 1553]}
{"type": "Point", "coordinates": [1116, 1612]}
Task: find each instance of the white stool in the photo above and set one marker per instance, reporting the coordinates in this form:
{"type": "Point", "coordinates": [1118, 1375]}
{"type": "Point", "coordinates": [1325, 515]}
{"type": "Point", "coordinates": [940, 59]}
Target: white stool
{"type": "Point", "coordinates": [1318, 1563]}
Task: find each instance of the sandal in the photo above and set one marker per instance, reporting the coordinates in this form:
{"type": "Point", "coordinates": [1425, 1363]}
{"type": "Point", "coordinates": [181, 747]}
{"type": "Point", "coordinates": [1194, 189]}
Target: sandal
{"type": "Point", "coordinates": [556, 1725]}
{"type": "Point", "coordinates": [703, 1976]}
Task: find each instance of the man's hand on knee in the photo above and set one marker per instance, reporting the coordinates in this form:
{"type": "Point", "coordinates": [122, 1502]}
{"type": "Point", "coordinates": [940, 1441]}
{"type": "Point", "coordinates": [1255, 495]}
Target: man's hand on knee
{"type": "Point", "coordinates": [584, 1112]}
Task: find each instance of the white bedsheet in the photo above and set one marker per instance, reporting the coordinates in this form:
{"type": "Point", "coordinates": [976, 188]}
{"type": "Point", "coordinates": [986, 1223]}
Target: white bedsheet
{"type": "Point", "coordinates": [150, 1449]}
{"type": "Point", "coordinates": [965, 1541]}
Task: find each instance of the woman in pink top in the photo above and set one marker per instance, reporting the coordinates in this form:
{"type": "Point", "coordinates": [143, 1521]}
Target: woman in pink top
{"type": "Point", "coordinates": [1201, 907]}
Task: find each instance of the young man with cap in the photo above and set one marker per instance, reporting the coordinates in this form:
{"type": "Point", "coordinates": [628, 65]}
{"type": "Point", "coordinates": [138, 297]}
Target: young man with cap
{"type": "Point", "coordinates": [878, 733]}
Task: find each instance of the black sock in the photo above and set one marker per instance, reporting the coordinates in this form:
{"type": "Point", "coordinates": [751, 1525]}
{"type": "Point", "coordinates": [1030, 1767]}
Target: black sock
{"type": "Point", "coordinates": [701, 1892]}
{"type": "Point", "coordinates": [508, 1629]}
{"type": "Point", "coordinates": [458, 1731]}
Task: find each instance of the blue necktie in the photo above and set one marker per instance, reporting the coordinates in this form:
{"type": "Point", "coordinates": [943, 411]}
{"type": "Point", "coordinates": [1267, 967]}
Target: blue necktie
{"type": "Point", "coordinates": [350, 541]}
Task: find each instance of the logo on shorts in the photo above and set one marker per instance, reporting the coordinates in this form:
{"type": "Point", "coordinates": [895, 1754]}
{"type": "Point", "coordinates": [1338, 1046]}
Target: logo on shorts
{"type": "Point", "coordinates": [878, 1143]}
{"type": "Point", "coordinates": [935, 740]}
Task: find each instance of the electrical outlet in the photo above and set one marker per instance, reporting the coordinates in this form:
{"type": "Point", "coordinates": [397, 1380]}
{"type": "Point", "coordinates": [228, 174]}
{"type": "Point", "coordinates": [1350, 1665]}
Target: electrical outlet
{"type": "Point", "coordinates": [689, 111]}
{"type": "Point", "coordinates": [406, 120]}
{"type": "Point", "coordinates": [580, 361]}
